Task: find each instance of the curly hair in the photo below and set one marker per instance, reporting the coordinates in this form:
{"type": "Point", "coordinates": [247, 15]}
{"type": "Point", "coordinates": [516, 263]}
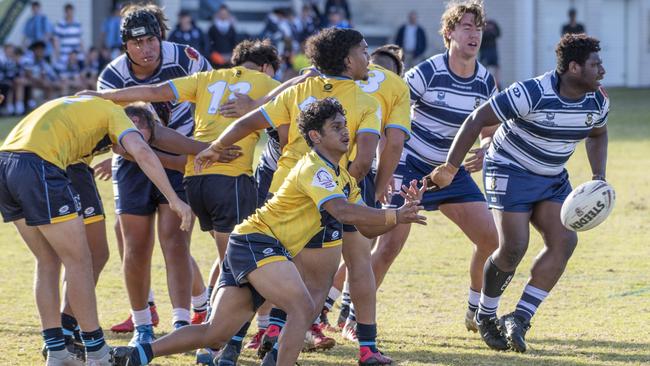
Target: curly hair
{"type": "Point", "coordinates": [313, 117]}
{"type": "Point", "coordinates": [455, 12]}
{"type": "Point", "coordinates": [328, 49]}
{"type": "Point", "coordinates": [258, 52]}
{"type": "Point", "coordinates": [574, 47]}
{"type": "Point", "coordinates": [392, 51]}
{"type": "Point", "coordinates": [152, 9]}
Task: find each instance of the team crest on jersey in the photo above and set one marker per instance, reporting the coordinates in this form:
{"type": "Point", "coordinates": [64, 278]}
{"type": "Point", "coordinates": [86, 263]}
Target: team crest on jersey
{"type": "Point", "coordinates": [441, 95]}
{"type": "Point", "coordinates": [191, 53]}
{"type": "Point", "coordinates": [517, 92]}
{"type": "Point", "coordinates": [590, 119]}
{"type": "Point", "coordinates": [477, 102]}
{"type": "Point", "coordinates": [328, 87]}
{"type": "Point", "coordinates": [323, 179]}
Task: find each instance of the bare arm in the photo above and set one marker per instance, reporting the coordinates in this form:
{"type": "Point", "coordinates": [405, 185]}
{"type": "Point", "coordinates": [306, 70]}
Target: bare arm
{"type": "Point", "coordinates": [150, 165]}
{"type": "Point", "coordinates": [388, 159]}
{"type": "Point", "coordinates": [283, 135]}
{"type": "Point", "coordinates": [474, 163]}
{"type": "Point", "coordinates": [596, 145]}
{"type": "Point", "coordinates": [168, 139]}
{"type": "Point", "coordinates": [147, 93]}
{"type": "Point", "coordinates": [366, 148]}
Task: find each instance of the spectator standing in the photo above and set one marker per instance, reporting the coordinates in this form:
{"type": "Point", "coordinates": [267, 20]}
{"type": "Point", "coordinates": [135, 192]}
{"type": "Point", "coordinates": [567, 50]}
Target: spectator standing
{"type": "Point", "coordinates": [222, 37]}
{"type": "Point", "coordinates": [67, 37]}
{"type": "Point", "coordinates": [111, 33]}
{"type": "Point", "coordinates": [573, 26]}
{"type": "Point", "coordinates": [489, 55]}
{"type": "Point", "coordinates": [186, 32]}
{"type": "Point", "coordinates": [339, 6]}
{"type": "Point", "coordinates": [38, 28]}
{"type": "Point", "coordinates": [413, 40]}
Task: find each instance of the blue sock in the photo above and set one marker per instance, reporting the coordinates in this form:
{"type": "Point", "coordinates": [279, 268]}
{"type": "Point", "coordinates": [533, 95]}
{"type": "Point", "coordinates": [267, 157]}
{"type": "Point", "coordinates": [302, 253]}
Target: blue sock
{"type": "Point", "coordinates": [367, 336]}
{"type": "Point", "coordinates": [69, 324]}
{"type": "Point", "coordinates": [142, 355]}
{"type": "Point", "coordinates": [54, 340]}
{"type": "Point", "coordinates": [277, 317]}
{"type": "Point", "coordinates": [180, 324]}
{"type": "Point", "coordinates": [530, 300]}
{"type": "Point", "coordinates": [238, 338]}
{"type": "Point", "coordinates": [93, 341]}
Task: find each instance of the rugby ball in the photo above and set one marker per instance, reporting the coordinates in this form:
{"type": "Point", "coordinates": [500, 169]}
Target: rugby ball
{"type": "Point", "coordinates": [588, 205]}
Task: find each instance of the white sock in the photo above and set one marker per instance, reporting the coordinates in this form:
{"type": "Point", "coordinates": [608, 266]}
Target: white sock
{"type": "Point", "coordinates": [262, 321]}
{"type": "Point", "coordinates": [150, 299]}
{"type": "Point", "coordinates": [473, 299]}
{"type": "Point", "coordinates": [141, 317]}
{"type": "Point", "coordinates": [180, 314]}
{"type": "Point", "coordinates": [200, 303]}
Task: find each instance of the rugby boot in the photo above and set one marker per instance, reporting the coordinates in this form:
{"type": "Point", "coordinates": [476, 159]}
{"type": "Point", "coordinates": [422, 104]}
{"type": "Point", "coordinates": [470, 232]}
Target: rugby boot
{"type": "Point", "coordinates": [368, 357]}
{"type": "Point", "coordinates": [127, 325]}
{"type": "Point", "coordinates": [316, 340]}
{"type": "Point", "coordinates": [470, 321]}
{"type": "Point", "coordinates": [205, 356]}
{"type": "Point", "coordinates": [349, 331]}
{"type": "Point", "coordinates": [73, 346]}
{"type": "Point", "coordinates": [491, 334]}
{"type": "Point", "coordinates": [103, 357]}
{"type": "Point", "coordinates": [68, 360]}
{"type": "Point", "coordinates": [227, 356]}
{"type": "Point", "coordinates": [142, 334]}
{"type": "Point", "coordinates": [515, 330]}
{"type": "Point", "coordinates": [269, 339]}
{"type": "Point", "coordinates": [255, 342]}
{"type": "Point", "coordinates": [199, 317]}
{"type": "Point", "coordinates": [268, 360]}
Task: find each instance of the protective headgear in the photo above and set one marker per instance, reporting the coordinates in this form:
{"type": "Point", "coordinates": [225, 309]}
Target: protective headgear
{"type": "Point", "coordinates": [138, 24]}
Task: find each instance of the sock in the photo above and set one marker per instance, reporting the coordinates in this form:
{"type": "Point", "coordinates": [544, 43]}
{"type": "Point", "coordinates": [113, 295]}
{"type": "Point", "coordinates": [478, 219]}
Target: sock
{"type": "Point", "coordinates": [142, 356]}
{"type": "Point", "coordinates": [331, 298]}
{"type": "Point", "coordinates": [352, 316]}
{"type": "Point", "coordinates": [473, 299]}
{"type": "Point", "coordinates": [530, 300]}
{"type": "Point", "coordinates": [200, 303]}
{"type": "Point", "coordinates": [141, 317]}
{"type": "Point", "coordinates": [277, 318]}
{"type": "Point", "coordinates": [262, 321]}
{"type": "Point", "coordinates": [54, 339]}
{"type": "Point", "coordinates": [68, 324]}
{"type": "Point", "coordinates": [495, 282]}
{"type": "Point", "coordinates": [93, 341]}
{"type": "Point", "coordinates": [210, 289]}
{"type": "Point", "coordinates": [238, 338]}
{"type": "Point", "coordinates": [180, 317]}
{"type": "Point", "coordinates": [150, 299]}
{"type": "Point", "coordinates": [367, 336]}
{"type": "Point", "coordinates": [346, 300]}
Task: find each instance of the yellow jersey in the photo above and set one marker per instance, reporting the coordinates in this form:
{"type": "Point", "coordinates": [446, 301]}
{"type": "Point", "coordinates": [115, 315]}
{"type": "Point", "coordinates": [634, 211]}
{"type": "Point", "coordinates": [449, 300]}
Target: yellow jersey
{"type": "Point", "coordinates": [360, 108]}
{"type": "Point", "coordinates": [208, 90]}
{"type": "Point", "coordinates": [65, 130]}
{"type": "Point", "coordinates": [392, 93]}
{"type": "Point", "coordinates": [295, 214]}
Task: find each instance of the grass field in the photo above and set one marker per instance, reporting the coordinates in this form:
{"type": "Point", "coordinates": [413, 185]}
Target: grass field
{"type": "Point", "coordinates": [598, 314]}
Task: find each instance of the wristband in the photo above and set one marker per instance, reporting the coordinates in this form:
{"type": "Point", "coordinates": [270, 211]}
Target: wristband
{"type": "Point", "coordinates": [391, 217]}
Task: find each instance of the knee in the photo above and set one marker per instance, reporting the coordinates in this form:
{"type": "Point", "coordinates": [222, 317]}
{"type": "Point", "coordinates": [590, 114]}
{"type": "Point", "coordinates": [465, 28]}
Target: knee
{"type": "Point", "coordinates": [510, 255]}
{"type": "Point", "coordinates": [387, 251]}
{"type": "Point", "coordinates": [48, 266]}
{"type": "Point", "coordinates": [568, 244]}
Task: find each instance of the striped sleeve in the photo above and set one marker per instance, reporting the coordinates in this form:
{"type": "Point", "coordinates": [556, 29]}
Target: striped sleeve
{"type": "Point", "coordinates": [514, 102]}
{"type": "Point", "coordinates": [418, 79]}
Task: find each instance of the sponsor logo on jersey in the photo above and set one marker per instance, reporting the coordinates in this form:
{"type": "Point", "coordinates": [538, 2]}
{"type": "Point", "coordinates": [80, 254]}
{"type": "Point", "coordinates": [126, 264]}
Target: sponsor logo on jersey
{"type": "Point", "coordinates": [89, 211]}
{"type": "Point", "coordinates": [191, 53]}
{"type": "Point", "coordinates": [268, 251]}
{"type": "Point", "coordinates": [328, 87]}
{"type": "Point", "coordinates": [323, 179]}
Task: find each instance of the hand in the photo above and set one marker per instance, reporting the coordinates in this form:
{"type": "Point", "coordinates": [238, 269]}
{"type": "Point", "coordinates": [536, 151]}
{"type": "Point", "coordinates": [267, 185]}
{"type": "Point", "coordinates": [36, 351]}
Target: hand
{"type": "Point", "coordinates": [208, 157]}
{"type": "Point", "coordinates": [184, 212]}
{"type": "Point", "coordinates": [230, 153]}
{"type": "Point", "coordinates": [474, 163]}
{"type": "Point", "coordinates": [92, 93]}
{"type": "Point", "coordinates": [412, 193]}
{"type": "Point", "coordinates": [440, 177]}
{"type": "Point", "coordinates": [383, 195]}
{"type": "Point", "coordinates": [103, 170]}
{"type": "Point", "coordinates": [238, 106]}
{"type": "Point", "coordinates": [408, 214]}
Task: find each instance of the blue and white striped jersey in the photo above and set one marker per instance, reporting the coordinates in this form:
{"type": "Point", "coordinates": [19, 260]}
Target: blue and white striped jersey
{"type": "Point", "coordinates": [440, 102]}
{"type": "Point", "coordinates": [177, 61]}
{"type": "Point", "coordinates": [540, 129]}
{"type": "Point", "coordinates": [69, 36]}
{"type": "Point", "coordinates": [271, 154]}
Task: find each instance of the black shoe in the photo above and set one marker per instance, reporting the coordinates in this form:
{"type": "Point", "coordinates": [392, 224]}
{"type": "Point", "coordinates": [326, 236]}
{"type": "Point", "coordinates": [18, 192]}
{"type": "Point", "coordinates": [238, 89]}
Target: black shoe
{"type": "Point", "coordinates": [122, 356]}
{"type": "Point", "coordinates": [491, 334]}
{"type": "Point", "coordinates": [227, 356]}
{"type": "Point", "coordinates": [515, 330]}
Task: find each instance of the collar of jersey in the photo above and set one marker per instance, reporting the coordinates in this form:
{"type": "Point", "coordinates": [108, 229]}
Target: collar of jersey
{"type": "Point", "coordinates": [459, 78]}
{"type": "Point", "coordinates": [337, 77]}
{"type": "Point", "coordinates": [555, 81]}
{"type": "Point", "coordinates": [329, 163]}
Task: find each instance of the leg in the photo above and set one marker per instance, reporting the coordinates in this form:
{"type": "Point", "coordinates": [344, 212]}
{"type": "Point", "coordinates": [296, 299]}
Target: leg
{"type": "Point", "coordinates": [356, 252]}
{"type": "Point", "coordinates": [175, 245]}
{"type": "Point", "coordinates": [47, 274]}
{"type": "Point", "coordinates": [221, 240]}
{"type": "Point", "coordinates": [387, 249]}
{"type": "Point", "coordinates": [288, 292]}
{"type": "Point", "coordinates": [138, 238]}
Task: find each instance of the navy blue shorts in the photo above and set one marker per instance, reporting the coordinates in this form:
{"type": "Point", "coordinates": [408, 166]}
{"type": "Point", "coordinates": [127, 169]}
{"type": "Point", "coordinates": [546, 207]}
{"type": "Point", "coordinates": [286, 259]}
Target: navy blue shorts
{"type": "Point", "coordinates": [462, 188]}
{"type": "Point", "coordinates": [246, 253]}
{"type": "Point", "coordinates": [36, 190]}
{"type": "Point", "coordinates": [135, 194]}
{"type": "Point", "coordinates": [221, 202]}
{"type": "Point", "coordinates": [227, 279]}
{"type": "Point", "coordinates": [83, 180]}
{"type": "Point", "coordinates": [329, 236]}
{"type": "Point", "coordinates": [513, 189]}
{"type": "Point", "coordinates": [263, 177]}
{"type": "Point", "coordinates": [368, 189]}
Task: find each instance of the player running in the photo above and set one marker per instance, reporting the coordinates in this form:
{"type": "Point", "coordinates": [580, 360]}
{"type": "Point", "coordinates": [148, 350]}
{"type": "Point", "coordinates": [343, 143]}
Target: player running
{"type": "Point", "coordinates": [36, 195]}
{"type": "Point", "coordinates": [541, 121]}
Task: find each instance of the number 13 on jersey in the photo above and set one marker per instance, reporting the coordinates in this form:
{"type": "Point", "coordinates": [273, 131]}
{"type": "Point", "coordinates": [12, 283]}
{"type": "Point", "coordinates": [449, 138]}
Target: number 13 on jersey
{"type": "Point", "coordinates": [218, 89]}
